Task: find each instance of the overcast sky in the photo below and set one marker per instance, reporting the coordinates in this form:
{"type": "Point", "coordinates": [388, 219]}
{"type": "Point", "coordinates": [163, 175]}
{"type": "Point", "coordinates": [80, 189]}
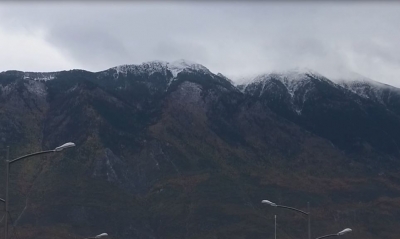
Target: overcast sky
{"type": "Point", "coordinates": [234, 38]}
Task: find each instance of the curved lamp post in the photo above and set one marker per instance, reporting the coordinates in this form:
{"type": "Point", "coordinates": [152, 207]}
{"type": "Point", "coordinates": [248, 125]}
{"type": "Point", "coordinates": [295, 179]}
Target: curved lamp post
{"type": "Point", "coordinates": [98, 236]}
{"type": "Point", "coordinates": [347, 230]}
{"type": "Point", "coordinates": [8, 162]}
{"type": "Point", "coordinates": [293, 209]}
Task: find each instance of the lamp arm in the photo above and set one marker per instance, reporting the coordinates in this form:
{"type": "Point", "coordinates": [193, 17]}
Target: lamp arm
{"type": "Point", "coordinates": [330, 235]}
{"type": "Point", "coordinates": [294, 209]}
{"type": "Point", "coordinates": [30, 155]}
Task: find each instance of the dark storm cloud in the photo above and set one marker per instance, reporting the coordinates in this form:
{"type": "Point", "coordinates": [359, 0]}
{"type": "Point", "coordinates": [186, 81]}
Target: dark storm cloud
{"type": "Point", "coordinates": [229, 37]}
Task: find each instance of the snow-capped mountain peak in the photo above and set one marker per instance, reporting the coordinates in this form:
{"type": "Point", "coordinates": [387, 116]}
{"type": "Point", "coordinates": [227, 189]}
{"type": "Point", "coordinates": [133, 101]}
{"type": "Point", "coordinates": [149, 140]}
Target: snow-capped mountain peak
{"type": "Point", "coordinates": [151, 67]}
{"type": "Point", "coordinates": [180, 65]}
{"type": "Point", "coordinates": [145, 67]}
{"type": "Point", "coordinates": [355, 78]}
{"type": "Point", "coordinates": [296, 85]}
{"type": "Point", "coordinates": [292, 79]}
{"type": "Point", "coordinates": [366, 87]}
{"type": "Point", "coordinates": [292, 75]}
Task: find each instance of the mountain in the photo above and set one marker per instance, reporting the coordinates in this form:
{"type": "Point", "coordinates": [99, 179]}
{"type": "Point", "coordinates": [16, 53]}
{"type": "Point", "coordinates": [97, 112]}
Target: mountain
{"type": "Point", "coordinates": [172, 150]}
{"type": "Point", "coordinates": [359, 117]}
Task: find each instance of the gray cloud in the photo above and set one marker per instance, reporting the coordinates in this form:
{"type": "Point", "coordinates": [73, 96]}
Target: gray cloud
{"type": "Point", "coordinates": [90, 45]}
{"type": "Point", "coordinates": [234, 38]}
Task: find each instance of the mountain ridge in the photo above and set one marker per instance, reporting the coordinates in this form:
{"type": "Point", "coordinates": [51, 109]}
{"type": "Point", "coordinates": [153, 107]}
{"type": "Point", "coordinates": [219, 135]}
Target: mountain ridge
{"type": "Point", "coordinates": [182, 64]}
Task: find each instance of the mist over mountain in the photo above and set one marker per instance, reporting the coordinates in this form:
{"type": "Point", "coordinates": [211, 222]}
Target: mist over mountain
{"type": "Point", "coordinates": [172, 150]}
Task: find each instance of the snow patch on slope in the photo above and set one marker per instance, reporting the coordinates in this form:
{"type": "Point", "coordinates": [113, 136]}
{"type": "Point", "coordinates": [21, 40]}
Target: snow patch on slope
{"type": "Point", "coordinates": [40, 76]}
{"type": "Point", "coordinates": [5, 90]}
{"type": "Point", "coordinates": [37, 88]}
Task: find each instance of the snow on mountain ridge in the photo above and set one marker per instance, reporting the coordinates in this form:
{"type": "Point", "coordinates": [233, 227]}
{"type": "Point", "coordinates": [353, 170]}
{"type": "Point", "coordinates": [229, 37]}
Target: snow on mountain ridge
{"type": "Point", "coordinates": [354, 78]}
{"type": "Point", "coordinates": [180, 65]}
{"type": "Point", "coordinates": [292, 79]}
{"type": "Point", "coordinates": [151, 67]}
{"type": "Point", "coordinates": [299, 84]}
{"type": "Point", "coordinates": [145, 67]}
{"type": "Point", "coordinates": [366, 87]}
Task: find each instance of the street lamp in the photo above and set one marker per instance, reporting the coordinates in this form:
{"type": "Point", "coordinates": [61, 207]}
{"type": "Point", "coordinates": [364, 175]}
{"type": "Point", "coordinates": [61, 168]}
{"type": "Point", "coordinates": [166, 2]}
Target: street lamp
{"type": "Point", "coordinates": [347, 230]}
{"type": "Point", "coordinates": [8, 162]}
{"type": "Point", "coordinates": [98, 236]}
{"type": "Point", "coordinates": [293, 209]}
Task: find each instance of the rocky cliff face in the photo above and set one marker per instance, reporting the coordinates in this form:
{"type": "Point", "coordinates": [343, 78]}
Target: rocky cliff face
{"type": "Point", "coordinates": [171, 150]}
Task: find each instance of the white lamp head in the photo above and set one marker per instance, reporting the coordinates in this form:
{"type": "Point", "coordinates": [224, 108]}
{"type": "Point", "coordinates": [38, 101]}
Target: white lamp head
{"type": "Point", "coordinates": [347, 230]}
{"type": "Point", "coordinates": [64, 146]}
{"type": "Point", "coordinates": [269, 203]}
{"type": "Point", "coordinates": [101, 235]}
